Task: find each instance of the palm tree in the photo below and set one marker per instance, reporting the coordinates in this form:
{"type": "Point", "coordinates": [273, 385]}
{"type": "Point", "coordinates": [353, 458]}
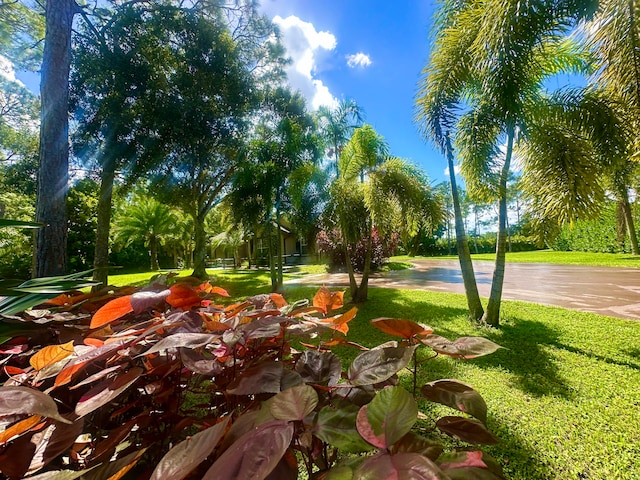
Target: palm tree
{"type": "Point", "coordinates": [614, 36]}
{"type": "Point", "coordinates": [338, 124]}
{"type": "Point", "coordinates": [495, 56]}
{"type": "Point", "coordinates": [148, 220]}
{"type": "Point", "coordinates": [376, 192]}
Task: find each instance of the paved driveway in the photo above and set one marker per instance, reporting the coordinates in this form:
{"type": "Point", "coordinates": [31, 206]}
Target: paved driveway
{"type": "Point", "coordinates": [602, 290]}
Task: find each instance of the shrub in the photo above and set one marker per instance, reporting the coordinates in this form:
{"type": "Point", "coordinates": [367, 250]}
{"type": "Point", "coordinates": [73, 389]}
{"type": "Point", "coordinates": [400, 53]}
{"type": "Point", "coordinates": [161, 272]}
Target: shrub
{"type": "Point", "coordinates": [330, 243]}
{"type": "Point", "coordinates": [165, 381]}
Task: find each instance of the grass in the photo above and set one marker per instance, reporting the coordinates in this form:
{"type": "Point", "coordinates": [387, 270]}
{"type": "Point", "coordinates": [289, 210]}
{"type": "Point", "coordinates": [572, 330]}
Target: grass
{"type": "Point", "coordinates": [552, 256]}
{"type": "Point", "coordinates": [563, 395]}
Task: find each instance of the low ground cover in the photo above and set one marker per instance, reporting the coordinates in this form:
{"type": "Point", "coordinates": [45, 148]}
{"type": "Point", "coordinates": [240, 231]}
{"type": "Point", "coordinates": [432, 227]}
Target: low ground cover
{"type": "Point", "coordinates": [552, 256]}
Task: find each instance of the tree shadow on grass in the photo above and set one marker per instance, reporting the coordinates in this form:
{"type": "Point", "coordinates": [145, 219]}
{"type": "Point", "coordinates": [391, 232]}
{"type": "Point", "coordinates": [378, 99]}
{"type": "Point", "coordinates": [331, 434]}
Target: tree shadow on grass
{"type": "Point", "coordinates": [524, 356]}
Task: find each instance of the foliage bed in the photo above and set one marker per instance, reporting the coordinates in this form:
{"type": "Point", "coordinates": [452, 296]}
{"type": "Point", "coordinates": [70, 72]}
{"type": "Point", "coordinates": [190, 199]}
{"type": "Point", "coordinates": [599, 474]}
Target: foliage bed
{"type": "Point", "coordinates": [169, 382]}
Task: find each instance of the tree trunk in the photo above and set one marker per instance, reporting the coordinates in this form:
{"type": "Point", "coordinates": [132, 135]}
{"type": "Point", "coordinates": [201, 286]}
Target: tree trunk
{"type": "Point", "coordinates": [200, 248]}
{"type": "Point", "coordinates": [363, 290]}
{"type": "Point", "coordinates": [353, 285]}
{"type": "Point", "coordinates": [628, 220]}
{"type": "Point", "coordinates": [272, 266]}
{"type": "Point", "coordinates": [492, 315]}
{"type": "Point", "coordinates": [280, 279]}
{"type": "Point", "coordinates": [50, 257]}
{"type": "Point", "coordinates": [101, 251]}
{"type": "Point", "coordinates": [476, 310]}
{"type": "Point", "coordinates": [153, 251]}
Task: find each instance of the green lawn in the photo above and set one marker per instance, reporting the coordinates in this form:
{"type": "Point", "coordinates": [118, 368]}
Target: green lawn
{"type": "Point", "coordinates": [563, 396]}
{"type": "Point", "coordinates": [551, 256]}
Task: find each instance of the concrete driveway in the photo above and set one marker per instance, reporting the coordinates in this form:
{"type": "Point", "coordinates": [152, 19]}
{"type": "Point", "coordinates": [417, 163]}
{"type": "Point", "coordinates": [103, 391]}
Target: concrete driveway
{"type": "Point", "coordinates": [603, 290]}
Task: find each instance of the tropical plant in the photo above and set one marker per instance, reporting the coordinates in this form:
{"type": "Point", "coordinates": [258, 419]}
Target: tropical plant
{"type": "Point", "coordinates": [337, 126]}
{"type": "Point", "coordinates": [146, 219]}
{"type": "Point", "coordinates": [285, 140]}
{"type": "Point", "coordinates": [613, 35]}
{"type": "Point", "coordinates": [490, 61]}
{"type": "Point", "coordinates": [394, 197]}
{"type": "Point", "coordinates": [170, 384]}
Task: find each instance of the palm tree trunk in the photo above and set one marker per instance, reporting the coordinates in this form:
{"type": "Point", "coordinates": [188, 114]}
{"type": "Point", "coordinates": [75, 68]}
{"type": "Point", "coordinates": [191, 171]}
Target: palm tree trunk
{"type": "Point", "coordinates": [628, 220]}
{"type": "Point", "coordinates": [101, 251]}
{"type": "Point", "coordinates": [492, 315]}
{"type": "Point", "coordinates": [476, 310]}
{"type": "Point", "coordinates": [353, 285]}
{"type": "Point", "coordinates": [200, 248]}
{"type": "Point", "coordinates": [363, 289]}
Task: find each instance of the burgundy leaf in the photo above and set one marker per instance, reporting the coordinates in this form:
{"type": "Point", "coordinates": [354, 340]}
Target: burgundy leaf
{"type": "Point", "coordinates": [294, 404]}
{"type": "Point", "coordinates": [188, 454]}
{"type": "Point", "coordinates": [186, 340]}
{"type": "Point", "coordinates": [322, 368]}
{"type": "Point", "coordinates": [402, 466]}
{"type": "Point", "coordinates": [140, 301]}
{"type": "Point", "coordinates": [255, 454]}
{"type": "Point", "coordinates": [455, 394]}
{"type": "Point", "coordinates": [24, 400]}
{"type": "Point", "coordinates": [466, 430]}
{"type": "Point", "coordinates": [377, 365]}
{"type": "Point", "coordinates": [106, 391]}
{"type": "Point", "coordinates": [53, 441]}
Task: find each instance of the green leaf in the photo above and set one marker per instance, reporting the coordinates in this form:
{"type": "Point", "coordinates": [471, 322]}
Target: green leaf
{"type": "Point", "coordinates": [7, 223]}
{"type": "Point", "coordinates": [337, 427]}
{"type": "Point", "coordinates": [188, 454]}
{"type": "Point", "coordinates": [378, 365]}
{"type": "Point", "coordinates": [455, 394]}
{"type": "Point", "coordinates": [294, 403]}
{"type": "Point", "coordinates": [388, 417]}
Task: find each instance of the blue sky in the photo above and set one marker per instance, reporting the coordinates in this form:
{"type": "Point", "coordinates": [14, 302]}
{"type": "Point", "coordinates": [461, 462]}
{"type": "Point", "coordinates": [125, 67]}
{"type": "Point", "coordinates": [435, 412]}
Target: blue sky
{"type": "Point", "coordinates": [371, 51]}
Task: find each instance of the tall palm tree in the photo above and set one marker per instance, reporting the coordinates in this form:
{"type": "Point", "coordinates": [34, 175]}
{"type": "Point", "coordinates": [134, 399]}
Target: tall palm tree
{"type": "Point", "coordinates": [373, 191]}
{"type": "Point", "coordinates": [494, 56]}
{"type": "Point", "coordinates": [614, 36]}
{"type": "Point", "coordinates": [148, 220]}
{"type": "Point", "coordinates": [338, 124]}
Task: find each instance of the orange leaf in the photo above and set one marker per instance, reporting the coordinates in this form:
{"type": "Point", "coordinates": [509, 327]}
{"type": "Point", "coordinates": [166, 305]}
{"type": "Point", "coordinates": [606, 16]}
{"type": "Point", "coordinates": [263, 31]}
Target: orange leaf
{"type": "Point", "coordinates": [60, 300]}
{"type": "Point", "coordinates": [204, 288]}
{"type": "Point", "coordinates": [278, 300]}
{"type": "Point", "coordinates": [302, 311]}
{"type": "Point", "coordinates": [93, 342]}
{"type": "Point", "coordinates": [400, 327]}
{"type": "Point", "coordinates": [50, 355]}
{"type": "Point", "coordinates": [65, 375]}
{"type": "Point", "coordinates": [111, 311]}
{"type": "Point", "coordinates": [327, 300]}
{"type": "Point", "coordinates": [236, 308]}
{"type": "Point", "coordinates": [345, 317]}
{"type": "Point", "coordinates": [183, 296]}
{"type": "Point", "coordinates": [10, 371]}
{"type": "Point", "coordinates": [219, 291]}
{"type": "Point", "coordinates": [19, 428]}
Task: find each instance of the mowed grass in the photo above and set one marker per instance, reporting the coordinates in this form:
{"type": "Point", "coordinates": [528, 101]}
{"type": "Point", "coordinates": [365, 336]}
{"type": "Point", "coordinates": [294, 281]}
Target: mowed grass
{"type": "Point", "coordinates": [551, 256]}
{"type": "Point", "coordinates": [563, 395]}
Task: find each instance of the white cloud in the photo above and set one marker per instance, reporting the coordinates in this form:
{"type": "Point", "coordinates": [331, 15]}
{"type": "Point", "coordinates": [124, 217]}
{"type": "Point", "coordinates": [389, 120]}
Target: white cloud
{"type": "Point", "coordinates": [456, 170]}
{"type": "Point", "coordinates": [358, 60]}
{"type": "Point", "coordinates": [7, 71]}
{"type": "Point", "coordinates": [305, 45]}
